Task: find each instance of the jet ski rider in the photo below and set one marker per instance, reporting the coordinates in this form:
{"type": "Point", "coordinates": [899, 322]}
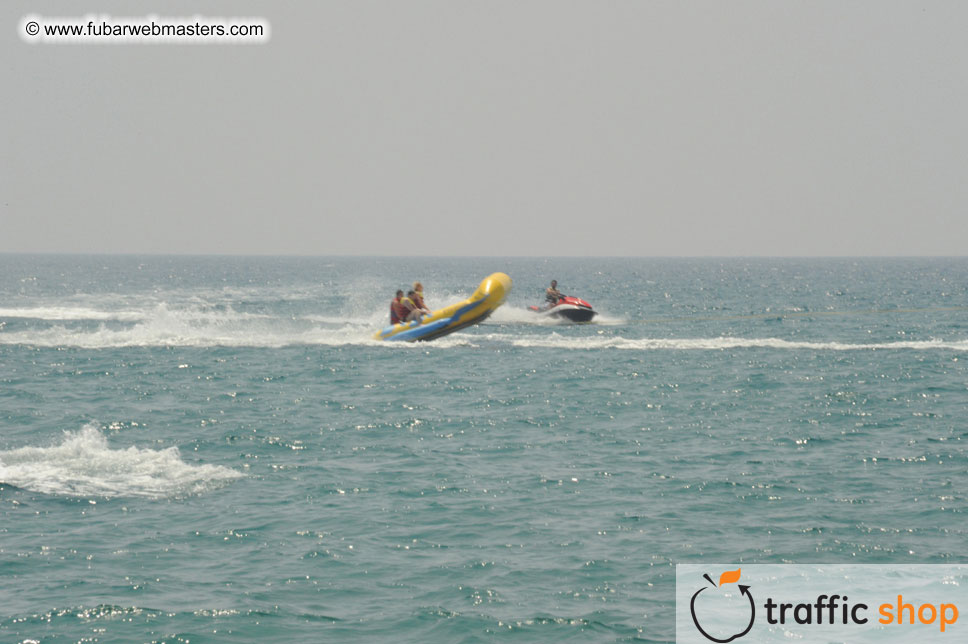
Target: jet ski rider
{"type": "Point", "coordinates": [552, 294]}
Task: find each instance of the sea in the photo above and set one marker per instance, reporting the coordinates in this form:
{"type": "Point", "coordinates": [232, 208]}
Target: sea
{"type": "Point", "coordinates": [214, 449]}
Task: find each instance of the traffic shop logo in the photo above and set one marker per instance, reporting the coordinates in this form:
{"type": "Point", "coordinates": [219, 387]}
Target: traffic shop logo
{"type": "Point", "coordinates": [717, 594]}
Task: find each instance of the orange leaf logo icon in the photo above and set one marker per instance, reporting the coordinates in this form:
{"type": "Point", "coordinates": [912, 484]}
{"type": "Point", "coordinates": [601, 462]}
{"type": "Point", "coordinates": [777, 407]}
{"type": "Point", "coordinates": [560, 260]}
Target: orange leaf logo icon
{"type": "Point", "coordinates": [729, 577]}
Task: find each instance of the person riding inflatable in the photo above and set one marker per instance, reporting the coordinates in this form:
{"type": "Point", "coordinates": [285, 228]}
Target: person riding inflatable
{"type": "Point", "coordinates": [398, 312]}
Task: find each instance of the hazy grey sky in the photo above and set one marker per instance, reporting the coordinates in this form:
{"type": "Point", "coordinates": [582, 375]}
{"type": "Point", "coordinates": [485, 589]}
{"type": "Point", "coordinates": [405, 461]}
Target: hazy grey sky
{"type": "Point", "coordinates": [496, 128]}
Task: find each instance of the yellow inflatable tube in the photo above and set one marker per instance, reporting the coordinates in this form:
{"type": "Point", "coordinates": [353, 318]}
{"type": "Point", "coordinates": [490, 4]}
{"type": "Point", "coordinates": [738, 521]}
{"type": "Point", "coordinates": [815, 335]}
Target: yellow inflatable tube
{"type": "Point", "coordinates": [488, 296]}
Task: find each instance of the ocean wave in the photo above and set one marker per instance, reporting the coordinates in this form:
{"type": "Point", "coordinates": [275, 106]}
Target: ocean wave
{"type": "Point", "coordinates": [176, 330]}
{"type": "Point", "coordinates": [83, 465]}
{"type": "Point", "coordinates": [197, 325]}
{"type": "Point", "coordinates": [519, 316]}
{"type": "Point", "coordinates": [154, 335]}
{"type": "Point", "coordinates": [557, 341]}
{"type": "Point", "coordinates": [202, 324]}
{"type": "Point", "coordinates": [67, 313]}
{"type": "Point", "coordinates": [162, 326]}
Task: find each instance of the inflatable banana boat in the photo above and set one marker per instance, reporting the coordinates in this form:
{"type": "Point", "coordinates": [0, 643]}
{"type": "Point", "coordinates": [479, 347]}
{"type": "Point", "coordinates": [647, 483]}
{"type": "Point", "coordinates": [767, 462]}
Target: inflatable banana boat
{"type": "Point", "coordinates": [488, 296]}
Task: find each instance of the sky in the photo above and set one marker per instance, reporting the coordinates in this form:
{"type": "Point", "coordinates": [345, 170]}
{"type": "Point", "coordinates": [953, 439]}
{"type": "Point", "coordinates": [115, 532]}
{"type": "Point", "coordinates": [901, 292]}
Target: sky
{"type": "Point", "coordinates": [531, 128]}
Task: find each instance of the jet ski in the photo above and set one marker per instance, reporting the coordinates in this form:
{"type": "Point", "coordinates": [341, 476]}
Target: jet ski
{"type": "Point", "coordinates": [569, 308]}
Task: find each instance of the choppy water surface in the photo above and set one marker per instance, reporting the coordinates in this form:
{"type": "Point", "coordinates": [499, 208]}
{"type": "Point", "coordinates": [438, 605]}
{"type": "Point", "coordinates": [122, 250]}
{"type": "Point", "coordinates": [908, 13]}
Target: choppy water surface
{"type": "Point", "coordinates": [213, 449]}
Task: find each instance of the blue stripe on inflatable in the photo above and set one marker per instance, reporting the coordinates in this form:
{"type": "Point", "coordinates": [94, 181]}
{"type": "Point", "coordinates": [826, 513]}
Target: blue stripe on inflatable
{"type": "Point", "coordinates": [390, 328]}
{"type": "Point", "coordinates": [421, 331]}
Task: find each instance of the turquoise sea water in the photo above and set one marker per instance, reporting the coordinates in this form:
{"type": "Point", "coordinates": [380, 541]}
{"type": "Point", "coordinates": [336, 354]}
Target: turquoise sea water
{"type": "Point", "coordinates": [212, 449]}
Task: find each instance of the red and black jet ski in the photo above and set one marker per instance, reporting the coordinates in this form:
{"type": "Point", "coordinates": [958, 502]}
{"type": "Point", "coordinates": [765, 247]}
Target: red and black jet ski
{"type": "Point", "coordinates": [569, 308]}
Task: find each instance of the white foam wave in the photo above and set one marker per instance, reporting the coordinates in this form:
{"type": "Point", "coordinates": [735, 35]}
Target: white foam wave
{"type": "Point", "coordinates": [604, 319]}
{"type": "Point", "coordinates": [203, 312]}
{"type": "Point", "coordinates": [62, 313]}
{"type": "Point", "coordinates": [198, 327]}
{"type": "Point", "coordinates": [514, 315]}
{"type": "Point", "coordinates": [187, 329]}
{"type": "Point", "coordinates": [558, 341]}
{"type": "Point", "coordinates": [517, 316]}
{"type": "Point", "coordinates": [328, 319]}
{"type": "Point", "coordinates": [83, 465]}
{"type": "Point", "coordinates": [176, 335]}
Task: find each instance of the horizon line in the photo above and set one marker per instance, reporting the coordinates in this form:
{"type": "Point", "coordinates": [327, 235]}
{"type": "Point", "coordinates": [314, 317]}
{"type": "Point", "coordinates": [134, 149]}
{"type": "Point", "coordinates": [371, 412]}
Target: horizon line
{"type": "Point", "coordinates": [425, 256]}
